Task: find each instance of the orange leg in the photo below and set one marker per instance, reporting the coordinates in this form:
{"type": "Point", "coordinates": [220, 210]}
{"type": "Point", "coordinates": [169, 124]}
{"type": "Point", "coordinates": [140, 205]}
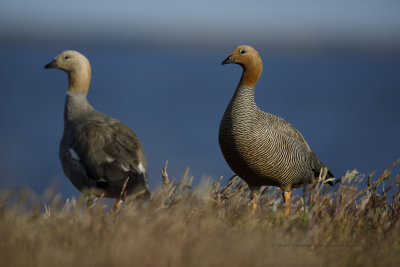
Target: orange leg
{"type": "Point", "coordinates": [254, 202]}
{"type": "Point", "coordinates": [286, 202]}
{"type": "Point", "coordinates": [117, 206]}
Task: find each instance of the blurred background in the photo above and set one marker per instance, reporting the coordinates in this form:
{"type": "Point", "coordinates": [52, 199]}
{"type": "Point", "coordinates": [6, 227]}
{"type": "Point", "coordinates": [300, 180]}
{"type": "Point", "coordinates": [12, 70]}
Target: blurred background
{"type": "Point", "coordinates": [331, 68]}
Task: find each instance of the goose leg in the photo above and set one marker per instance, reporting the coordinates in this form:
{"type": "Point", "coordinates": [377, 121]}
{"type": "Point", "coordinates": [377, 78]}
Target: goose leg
{"type": "Point", "coordinates": [117, 206]}
{"type": "Point", "coordinates": [286, 202]}
{"type": "Point", "coordinates": [254, 202]}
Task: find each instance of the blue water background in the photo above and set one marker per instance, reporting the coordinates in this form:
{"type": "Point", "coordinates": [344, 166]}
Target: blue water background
{"type": "Point", "coordinates": [346, 105]}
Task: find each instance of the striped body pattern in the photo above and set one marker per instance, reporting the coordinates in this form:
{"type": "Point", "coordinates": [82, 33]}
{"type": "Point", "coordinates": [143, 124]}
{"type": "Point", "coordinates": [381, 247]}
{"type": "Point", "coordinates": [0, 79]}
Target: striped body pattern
{"type": "Point", "coordinates": [263, 149]}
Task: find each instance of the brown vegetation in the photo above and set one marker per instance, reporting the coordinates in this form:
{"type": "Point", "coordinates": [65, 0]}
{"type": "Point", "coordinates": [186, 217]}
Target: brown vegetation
{"type": "Point", "coordinates": [208, 225]}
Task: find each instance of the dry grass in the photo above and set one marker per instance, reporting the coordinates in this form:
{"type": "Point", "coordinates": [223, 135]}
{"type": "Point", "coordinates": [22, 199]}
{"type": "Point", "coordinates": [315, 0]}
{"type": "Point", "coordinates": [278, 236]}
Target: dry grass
{"type": "Point", "coordinates": [208, 225]}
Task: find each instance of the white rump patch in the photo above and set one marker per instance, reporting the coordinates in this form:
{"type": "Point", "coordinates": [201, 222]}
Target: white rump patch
{"type": "Point", "coordinates": [141, 167]}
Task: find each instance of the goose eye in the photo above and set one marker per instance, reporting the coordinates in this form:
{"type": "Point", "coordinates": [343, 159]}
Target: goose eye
{"type": "Point", "coordinates": [242, 51]}
{"type": "Point", "coordinates": [66, 57]}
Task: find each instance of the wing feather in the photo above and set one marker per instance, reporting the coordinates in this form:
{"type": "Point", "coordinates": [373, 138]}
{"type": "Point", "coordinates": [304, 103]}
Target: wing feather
{"type": "Point", "coordinates": [109, 150]}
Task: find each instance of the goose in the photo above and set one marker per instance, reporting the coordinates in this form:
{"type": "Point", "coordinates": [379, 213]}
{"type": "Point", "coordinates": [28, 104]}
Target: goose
{"type": "Point", "coordinates": [96, 151]}
{"type": "Point", "coordinates": [261, 148]}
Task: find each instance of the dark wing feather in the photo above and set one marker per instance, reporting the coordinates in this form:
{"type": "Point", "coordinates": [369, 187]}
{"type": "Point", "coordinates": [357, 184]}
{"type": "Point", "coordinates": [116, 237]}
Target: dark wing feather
{"type": "Point", "coordinates": [109, 150]}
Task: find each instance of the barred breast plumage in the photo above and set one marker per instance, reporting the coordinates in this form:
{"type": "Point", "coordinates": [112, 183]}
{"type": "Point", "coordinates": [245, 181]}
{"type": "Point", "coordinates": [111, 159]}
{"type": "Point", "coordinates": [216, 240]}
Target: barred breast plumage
{"type": "Point", "coordinates": [261, 148]}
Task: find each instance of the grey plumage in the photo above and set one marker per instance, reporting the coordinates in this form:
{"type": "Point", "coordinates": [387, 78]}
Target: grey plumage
{"type": "Point", "coordinates": [109, 151]}
{"type": "Point", "coordinates": [263, 149]}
